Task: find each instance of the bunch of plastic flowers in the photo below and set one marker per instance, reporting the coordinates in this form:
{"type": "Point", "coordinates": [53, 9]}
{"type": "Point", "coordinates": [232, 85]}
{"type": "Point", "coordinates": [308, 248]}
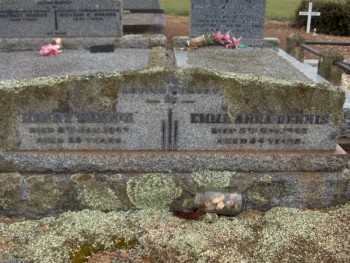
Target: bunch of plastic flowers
{"type": "Point", "coordinates": [225, 40]}
{"type": "Point", "coordinates": [52, 49]}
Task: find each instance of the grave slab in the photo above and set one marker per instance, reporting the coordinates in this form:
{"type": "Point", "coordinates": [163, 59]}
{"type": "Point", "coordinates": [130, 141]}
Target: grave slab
{"type": "Point", "coordinates": [256, 61]}
{"type": "Point", "coordinates": [29, 64]}
{"type": "Point", "coordinates": [84, 43]}
{"type": "Point", "coordinates": [60, 18]}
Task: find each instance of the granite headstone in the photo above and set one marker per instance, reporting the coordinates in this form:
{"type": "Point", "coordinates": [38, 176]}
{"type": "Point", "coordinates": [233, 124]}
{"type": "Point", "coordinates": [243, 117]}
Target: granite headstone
{"type": "Point", "coordinates": [141, 5]}
{"type": "Point", "coordinates": [60, 18]}
{"type": "Point", "coordinates": [143, 17]}
{"type": "Point", "coordinates": [243, 18]}
{"type": "Point", "coordinates": [172, 110]}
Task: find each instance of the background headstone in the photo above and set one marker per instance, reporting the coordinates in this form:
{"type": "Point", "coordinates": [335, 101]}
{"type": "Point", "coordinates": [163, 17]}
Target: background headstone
{"type": "Point", "coordinates": [141, 5]}
{"type": "Point", "coordinates": [64, 18]}
{"type": "Point", "coordinates": [243, 18]}
{"type": "Point", "coordinates": [143, 17]}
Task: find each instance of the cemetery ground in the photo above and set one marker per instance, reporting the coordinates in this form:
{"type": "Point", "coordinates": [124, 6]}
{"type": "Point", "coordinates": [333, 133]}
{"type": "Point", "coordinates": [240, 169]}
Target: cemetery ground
{"type": "Point", "coordinates": [278, 235]}
{"type": "Point", "coordinates": [99, 236]}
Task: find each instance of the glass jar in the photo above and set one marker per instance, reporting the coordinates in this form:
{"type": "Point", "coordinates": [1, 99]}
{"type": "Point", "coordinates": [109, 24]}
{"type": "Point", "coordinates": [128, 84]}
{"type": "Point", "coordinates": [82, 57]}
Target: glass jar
{"type": "Point", "coordinates": [220, 202]}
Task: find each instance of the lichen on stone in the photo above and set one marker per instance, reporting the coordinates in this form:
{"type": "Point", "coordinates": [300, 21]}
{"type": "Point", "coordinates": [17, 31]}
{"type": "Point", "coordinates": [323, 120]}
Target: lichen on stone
{"type": "Point", "coordinates": [98, 195]}
{"type": "Point", "coordinates": [45, 186]}
{"type": "Point", "coordinates": [266, 178]}
{"type": "Point", "coordinates": [257, 198]}
{"type": "Point", "coordinates": [152, 191]}
{"type": "Point", "coordinates": [57, 239]}
{"type": "Point", "coordinates": [82, 177]}
{"type": "Point", "coordinates": [10, 191]}
{"type": "Point", "coordinates": [279, 235]}
{"type": "Point", "coordinates": [34, 179]}
{"type": "Point", "coordinates": [115, 177]}
{"type": "Point", "coordinates": [265, 190]}
{"type": "Point", "coordinates": [213, 179]}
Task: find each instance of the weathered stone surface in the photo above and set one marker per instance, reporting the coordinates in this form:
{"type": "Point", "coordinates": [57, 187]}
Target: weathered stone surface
{"type": "Point", "coordinates": [76, 43]}
{"type": "Point", "coordinates": [140, 4]}
{"type": "Point", "coordinates": [143, 23]}
{"type": "Point", "coordinates": [253, 61]}
{"type": "Point", "coordinates": [36, 195]}
{"type": "Point", "coordinates": [156, 236]}
{"type": "Point", "coordinates": [327, 69]}
{"type": "Point", "coordinates": [78, 62]}
{"type": "Point", "coordinates": [143, 17]}
{"type": "Point", "coordinates": [21, 19]}
{"type": "Point", "coordinates": [194, 109]}
{"type": "Point", "coordinates": [273, 43]}
{"type": "Point", "coordinates": [153, 191]}
{"type": "Point", "coordinates": [241, 17]}
{"type": "Point", "coordinates": [344, 128]}
{"type": "Point", "coordinates": [10, 191]}
{"type": "Point", "coordinates": [293, 47]}
{"type": "Point", "coordinates": [141, 41]}
{"type": "Point", "coordinates": [179, 161]}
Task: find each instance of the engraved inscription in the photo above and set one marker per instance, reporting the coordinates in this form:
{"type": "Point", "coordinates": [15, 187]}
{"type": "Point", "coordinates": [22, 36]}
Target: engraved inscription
{"type": "Point", "coordinates": [272, 129]}
{"type": "Point", "coordinates": [60, 18]}
{"type": "Point", "coordinates": [260, 119]}
{"type": "Point", "coordinates": [76, 131]}
{"type": "Point", "coordinates": [173, 117]}
{"type": "Point", "coordinates": [241, 17]}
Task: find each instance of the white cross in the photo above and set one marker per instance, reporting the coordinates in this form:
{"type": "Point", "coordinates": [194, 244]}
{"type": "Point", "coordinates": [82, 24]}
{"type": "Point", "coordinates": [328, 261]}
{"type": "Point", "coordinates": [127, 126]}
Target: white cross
{"type": "Point", "coordinates": [309, 14]}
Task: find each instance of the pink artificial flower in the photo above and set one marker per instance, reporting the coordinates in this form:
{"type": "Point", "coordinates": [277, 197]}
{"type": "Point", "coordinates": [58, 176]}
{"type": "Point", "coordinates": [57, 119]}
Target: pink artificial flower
{"type": "Point", "coordinates": [50, 50]}
{"type": "Point", "coordinates": [226, 37]}
{"type": "Point", "coordinates": [218, 37]}
{"type": "Point", "coordinates": [236, 42]}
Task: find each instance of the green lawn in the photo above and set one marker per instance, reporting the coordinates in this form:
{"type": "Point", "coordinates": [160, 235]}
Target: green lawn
{"type": "Point", "coordinates": [281, 9]}
{"type": "Point", "coordinates": [176, 7]}
{"type": "Point", "coordinates": [275, 9]}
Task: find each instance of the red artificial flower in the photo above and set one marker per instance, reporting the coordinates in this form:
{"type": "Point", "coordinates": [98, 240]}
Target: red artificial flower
{"type": "Point", "coordinates": [236, 42]}
{"type": "Point", "coordinates": [218, 36]}
{"type": "Point", "coordinates": [226, 37]}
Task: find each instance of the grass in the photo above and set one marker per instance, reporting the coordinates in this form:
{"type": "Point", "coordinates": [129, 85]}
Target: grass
{"type": "Point", "coordinates": [177, 7]}
{"type": "Point", "coordinates": [283, 10]}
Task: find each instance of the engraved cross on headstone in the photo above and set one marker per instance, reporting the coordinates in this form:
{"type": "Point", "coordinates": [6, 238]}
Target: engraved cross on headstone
{"type": "Point", "coordinates": [309, 14]}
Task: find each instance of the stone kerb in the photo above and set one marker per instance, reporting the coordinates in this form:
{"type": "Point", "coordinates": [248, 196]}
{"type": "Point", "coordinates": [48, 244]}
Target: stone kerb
{"type": "Point", "coordinates": [293, 47]}
{"type": "Point", "coordinates": [327, 69]}
{"type": "Point", "coordinates": [167, 109]}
